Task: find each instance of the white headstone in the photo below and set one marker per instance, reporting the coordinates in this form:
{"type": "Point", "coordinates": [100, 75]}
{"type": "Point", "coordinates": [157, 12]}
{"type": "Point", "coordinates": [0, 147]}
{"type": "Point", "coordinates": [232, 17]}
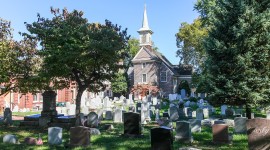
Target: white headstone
{"type": "Point", "coordinates": [55, 136]}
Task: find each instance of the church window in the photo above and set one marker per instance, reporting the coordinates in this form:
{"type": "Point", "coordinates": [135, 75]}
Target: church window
{"type": "Point", "coordinates": [144, 76]}
{"type": "Point", "coordinates": [143, 65]}
{"type": "Point", "coordinates": [163, 76]}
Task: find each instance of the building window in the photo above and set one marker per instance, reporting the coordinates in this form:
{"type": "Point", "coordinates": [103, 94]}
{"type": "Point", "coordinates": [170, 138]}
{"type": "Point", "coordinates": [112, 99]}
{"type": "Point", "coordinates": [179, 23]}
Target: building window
{"type": "Point", "coordinates": [144, 76]}
{"type": "Point", "coordinates": [143, 65]}
{"type": "Point", "coordinates": [35, 97]}
{"type": "Point", "coordinates": [163, 76]}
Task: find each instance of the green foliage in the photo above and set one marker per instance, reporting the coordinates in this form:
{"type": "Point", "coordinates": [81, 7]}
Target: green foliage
{"type": "Point", "coordinates": [134, 47]}
{"type": "Point", "coordinates": [237, 65]}
{"type": "Point", "coordinates": [119, 84]}
{"type": "Point", "coordinates": [75, 50]}
{"type": "Point", "coordinates": [184, 85]}
{"type": "Point", "coordinates": [19, 61]}
{"type": "Point", "coordinates": [189, 41]}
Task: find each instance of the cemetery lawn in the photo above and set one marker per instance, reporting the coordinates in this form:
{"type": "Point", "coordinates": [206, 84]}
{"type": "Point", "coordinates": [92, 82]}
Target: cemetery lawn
{"type": "Point", "coordinates": [112, 139]}
{"type": "Point", "coordinates": [22, 114]}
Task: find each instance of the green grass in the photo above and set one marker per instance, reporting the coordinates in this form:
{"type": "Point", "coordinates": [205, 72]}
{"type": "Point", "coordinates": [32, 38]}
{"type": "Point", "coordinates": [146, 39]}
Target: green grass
{"type": "Point", "coordinates": [112, 140]}
{"type": "Point", "coordinates": [22, 114]}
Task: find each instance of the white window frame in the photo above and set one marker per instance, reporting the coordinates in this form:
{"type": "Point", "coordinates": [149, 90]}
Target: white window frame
{"type": "Point", "coordinates": [145, 78]}
{"type": "Point", "coordinates": [165, 76]}
{"type": "Point", "coordinates": [143, 65]}
{"type": "Point", "coordinates": [35, 98]}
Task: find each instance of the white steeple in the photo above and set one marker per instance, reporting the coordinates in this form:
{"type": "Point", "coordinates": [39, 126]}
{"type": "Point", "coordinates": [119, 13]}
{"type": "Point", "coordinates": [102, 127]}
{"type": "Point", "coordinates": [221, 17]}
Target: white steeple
{"type": "Point", "coordinates": [145, 32]}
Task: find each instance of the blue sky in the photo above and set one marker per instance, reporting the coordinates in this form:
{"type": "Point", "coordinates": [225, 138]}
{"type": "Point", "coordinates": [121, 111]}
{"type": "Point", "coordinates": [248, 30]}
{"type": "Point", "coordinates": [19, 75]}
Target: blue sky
{"type": "Point", "coordinates": [164, 16]}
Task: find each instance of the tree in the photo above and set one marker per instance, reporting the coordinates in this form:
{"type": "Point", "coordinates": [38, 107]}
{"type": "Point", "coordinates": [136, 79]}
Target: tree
{"type": "Point", "coordinates": [119, 84]}
{"type": "Point", "coordinates": [237, 65]}
{"type": "Point", "coordinates": [189, 41]}
{"type": "Point", "coordinates": [75, 50]}
{"type": "Point", "coordinates": [19, 61]}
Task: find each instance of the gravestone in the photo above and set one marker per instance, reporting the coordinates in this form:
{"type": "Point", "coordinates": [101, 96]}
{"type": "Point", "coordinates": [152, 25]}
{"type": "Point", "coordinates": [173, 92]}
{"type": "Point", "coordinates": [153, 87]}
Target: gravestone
{"type": "Point", "coordinates": [189, 113]}
{"type": "Point", "coordinates": [155, 101]}
{"type": "Point", "coordinates": [30, 141]}
{"type": "Point", "coordinates": [108, 115]}
{"type": "Point", "coordinates": [258, 133]}
{"type": "Point", "coordinates": [182, 113]}
{"type": "Point", "coordinates": [183, 131]}
{"type": "Point", "coordinates": [161, 138]}
{"type": "Point", "coordinates": [199, 114]}
{"type": "Point", "coordinates": [80, 120]}
{"type": "Point", "coordinates": [7, 117]}
{"type": "Point", "coordinates": [205, 113]}
{"type": "Point", "coordinates": [219, 122]}
{"type": "Point", "coordinates": [229, 112]}
{"type": "Point", "coordinates": [195, 125]}
{"type": "Point", "coordinates": [100, 114]}
{"type": "Point", "coordinates": [80, 136]}
{"type": "Point", "coordinates": [164, 121]}
{"type": "Point", "coordinates": [55, 136]}
{"type": "Point", "coordinates": [157, 114]}
{"type": "Point", "coordinates": [117, 116]}
{"type": "Point", "coordinates": [223, 109]}
{"type": "Point", "coordinates": [202, 95]}
{"type": "Point", "coordinates": [220, 133]}
{"type": "Point", "coordinates": [10, 138]}
{"type": "Point", "coordinates": [49, 108]}
{"type": "Point", "coordinates": [174, 114]}
{"type": "Point", "coordinates": [138, 107]}
{"type": "Point", "coordinates": [132, 124]}
{"type": "Point", "coordinates": [240, 125]}
{"type": "Point", "coordinates": [183, 93]}
{"type": "Point", "coordinates": [92, 120]}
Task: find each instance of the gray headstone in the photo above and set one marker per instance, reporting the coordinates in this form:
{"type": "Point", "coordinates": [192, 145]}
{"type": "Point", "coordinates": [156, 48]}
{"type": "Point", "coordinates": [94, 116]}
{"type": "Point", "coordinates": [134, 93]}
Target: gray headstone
{"type": "Point", "coordinates": [183, 93]}
{"type": "Point", "coordinates": [108, 115]}
{"type": "Point", "coordinates": [54, 136]}
{"type": "Point", "coordinates": [49, 104]}
{"type": "Point", "coordinates": [10, 138]}
{"type": "Point", "coordinates": [199, 114]}
{"type": "Point", "coordinates": [92, 120]}
{"type": "Point", "coordinates": [240, 125]}
{"type": "Point", "coordinates": [117, 115]}
{"type": "Point", "coordinates": [173, 113]}
{"type": "Point", "coordinates": [195, 125]}
{"type": "Point", "coordinates": [7, 116]}
{"type": "Point", "coordinates": [183, 131]}
{"type": "Point", "coordinates": [223, 109]}
{"type": "Point", "coordinates": [94, 131]}
{"type": "Point", "coordinates": [189, 113]}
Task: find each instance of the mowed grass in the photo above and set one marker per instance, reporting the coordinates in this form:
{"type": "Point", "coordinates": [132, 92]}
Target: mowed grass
{"type": "Point", "coordinates": [112, 139]}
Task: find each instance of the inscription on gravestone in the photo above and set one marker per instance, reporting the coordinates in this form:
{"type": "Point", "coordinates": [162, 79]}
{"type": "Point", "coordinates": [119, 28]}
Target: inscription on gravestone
{"type": "Point", "coordinates": [258, 131]}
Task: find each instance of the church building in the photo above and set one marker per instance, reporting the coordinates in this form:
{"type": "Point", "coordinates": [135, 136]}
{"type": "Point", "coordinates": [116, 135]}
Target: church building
{"type": "Point", "coordinates": [152, 68]}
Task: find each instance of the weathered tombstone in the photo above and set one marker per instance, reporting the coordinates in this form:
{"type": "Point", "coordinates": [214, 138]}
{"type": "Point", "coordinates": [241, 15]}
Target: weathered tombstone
{"type": "Point", "coordinates": [205, 113]}
{"type": "Point", "coordinates": [155, 100]}
{"type": "Point", "coordinates": [161, 138]}
{"type": "Point", "coordinates": [157, 114]}
{"type": "Point", "coordinates": [164, 121]}
{"type": "Point", "coordinates": [183, 93]}
{"type": "Point", "coordinates": [240, 125]}
{"type": "Point", "coordinates": [229, 122]}
{"type": "Point", "coordinates": [199, 114]}
{"type": "Point", "coordinates": [220, 133]}
{"type": "Point", "coordinates": [80, 136]}
{"type": "Point", "coordinates": [195, 125]}
{"type": "Point", "coordinates": [117, 116]}
{"type": "Point", "coordinates": [80, 120]}
{"type": "Point", "coordinates": [10, 138]}
{"type": "Point", "coordinates": [268, 115]}
{"type": "Point", "coordinates": [223, 109]}
{"type": "Point", "coordinates": [229, 112]}
{"type": "Point", "coordinates": [202, 95]}
{"type": "Point", "coordinates": [258, 133]}
{"type": "Point", "coordinates": [183, 131]}
{"type": "Point", "coordinates": [182, 113]}
{"type": "Point", "coordinates": [92, 120]}
{"type": "Point", "coordinates": [174, 114]}
{"type": "Point", "coordinates": [189, 113]}
{"type": "Point", "coordinates": [108, 115]}
{"type": "Point", "coordinates": [54, 136]}
{"type": "Point", "coordinates": [100, 114]}
{"type": "Point", "coordinates": [132, 124]}
{"type": "Point", "coordinates": [152, 111]}
{"type": "Point", "coordinates": [7, 117]}
{"type": "Point", "coordinates": [138, 107]}
{"type": "Point", "coordinates": [30, 141]}
{"type": "Point", "coordinates": [49, 108]}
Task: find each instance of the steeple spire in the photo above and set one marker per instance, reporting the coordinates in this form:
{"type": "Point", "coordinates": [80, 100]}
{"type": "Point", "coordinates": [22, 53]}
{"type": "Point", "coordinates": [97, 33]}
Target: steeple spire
{"type": "Point", "coordinates": [145, 32]}
{"type": "Point", "coordinates": [145, 20]}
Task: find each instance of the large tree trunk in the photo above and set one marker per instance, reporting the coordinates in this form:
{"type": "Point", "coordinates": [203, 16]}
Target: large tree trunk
{"type": "Point", "coordinates": [248, 111]}
{"type": "Point", "coordinates": [78, 100]}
